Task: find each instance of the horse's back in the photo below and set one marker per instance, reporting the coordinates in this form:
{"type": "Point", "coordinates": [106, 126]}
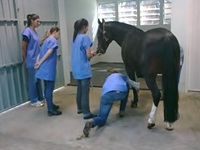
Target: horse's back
{"type": "Point", "coordinates": [156, 43]}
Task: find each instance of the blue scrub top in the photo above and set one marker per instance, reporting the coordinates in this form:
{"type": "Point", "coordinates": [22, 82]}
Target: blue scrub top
{"type": "Point", "coordinates": [47, 70]}
{"type": "Point", "coordinates": [33, 46]}
{"type": "Point", "coordinates": [115, 82]}
{"type": "Point", "coordinates": [79, 62]}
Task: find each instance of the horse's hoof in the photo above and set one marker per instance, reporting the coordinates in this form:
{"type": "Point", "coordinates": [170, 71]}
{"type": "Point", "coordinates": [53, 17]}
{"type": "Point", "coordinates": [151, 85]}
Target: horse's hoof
{"type": "Point", "coordinates": [133, 105]}
{"type": "Point", "coordinates": [169, 127]}
{"type": "Point", "coordinates": [150, 125]}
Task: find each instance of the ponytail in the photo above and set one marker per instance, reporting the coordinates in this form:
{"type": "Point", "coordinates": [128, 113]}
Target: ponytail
{"type": "Point", "coordinates": [44, 37]}
{"type": "Point", "coordinates": [48, 33]}
{"type": "Point", "coordinates": [79, 25]}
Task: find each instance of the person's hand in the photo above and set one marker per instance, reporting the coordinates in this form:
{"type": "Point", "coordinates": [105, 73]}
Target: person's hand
{"type": "Point", "coordinates": [94, 53]}
{"type": "Point", "coordinates": [24, 61]}
{"type": "Point", "coordinates": [37, 65]}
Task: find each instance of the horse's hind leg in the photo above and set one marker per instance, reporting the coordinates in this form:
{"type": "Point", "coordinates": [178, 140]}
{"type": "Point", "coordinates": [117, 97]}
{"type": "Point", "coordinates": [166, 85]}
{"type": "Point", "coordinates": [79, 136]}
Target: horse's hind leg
{"type": "Point", "coordinates": [151, 83]}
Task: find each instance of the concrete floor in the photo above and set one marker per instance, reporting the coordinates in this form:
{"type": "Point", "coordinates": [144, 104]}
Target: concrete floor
{"type": "Point", "coordinates": [28, 128]}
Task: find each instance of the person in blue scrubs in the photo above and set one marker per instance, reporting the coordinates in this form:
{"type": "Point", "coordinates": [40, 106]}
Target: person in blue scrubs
{"type": "Point", "coordinates": [46, 68]}
{"type": "Point", "coordinates": [115, 88]}
{"type": "Point", "coordinates": [181, 62]}
{"type": "Point", "coordinates": [30, 51]}
{"type": "Point", "coordinates": [81, 54]}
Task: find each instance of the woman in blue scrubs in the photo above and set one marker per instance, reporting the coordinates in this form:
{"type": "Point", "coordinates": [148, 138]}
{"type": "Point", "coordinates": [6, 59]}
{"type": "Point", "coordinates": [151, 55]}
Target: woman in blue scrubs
{"type": "Point", "coordinates": [81, 54]}
{"type": "Point", "coordinates": [46, 68]}
{"type": "Point", "coordinates": [30, 51]}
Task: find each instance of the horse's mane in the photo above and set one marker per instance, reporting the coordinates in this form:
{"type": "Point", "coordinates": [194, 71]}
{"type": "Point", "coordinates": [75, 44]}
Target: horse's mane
{"type": "Point", "coordinates": [125, 26]}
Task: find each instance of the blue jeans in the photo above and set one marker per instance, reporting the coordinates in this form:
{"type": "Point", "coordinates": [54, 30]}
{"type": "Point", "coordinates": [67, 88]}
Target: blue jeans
{"type": "Point", "coordinates": [34, 88]}
{"type": "Point", "coordinates": [82, 96]}
{"type": "Point", "coordinates": [48, 92]}
{"type": "Point", "coordinates": [106, 105]}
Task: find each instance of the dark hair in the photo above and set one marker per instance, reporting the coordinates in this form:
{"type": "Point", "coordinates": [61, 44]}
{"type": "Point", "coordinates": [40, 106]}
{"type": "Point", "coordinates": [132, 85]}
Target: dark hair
{"type": "Point", "coordinates": [53, 29]}
{"type": "Point", "coordinates": [79, 25]}
{"type": "Point", "coordinates": [48, 32]}
{"type": "Point", "coordinates": [31, 17]}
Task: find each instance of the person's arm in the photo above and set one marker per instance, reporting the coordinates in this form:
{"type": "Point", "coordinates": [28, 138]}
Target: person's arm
{"type": "Point", "coordinates": [90, 53]}
{"type": "Point", "coordinates": [24, 47]}
{"type": "Point", "coordinates": [134, 84]}
{"type": "Point", "coordinates": [48, 53]}
{"type": "Point", "coordinates": [37, 59]}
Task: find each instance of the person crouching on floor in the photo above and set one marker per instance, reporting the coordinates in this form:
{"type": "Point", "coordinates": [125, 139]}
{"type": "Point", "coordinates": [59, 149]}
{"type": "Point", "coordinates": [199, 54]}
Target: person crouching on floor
{"type": "Point", "coordinates": [115, 88]}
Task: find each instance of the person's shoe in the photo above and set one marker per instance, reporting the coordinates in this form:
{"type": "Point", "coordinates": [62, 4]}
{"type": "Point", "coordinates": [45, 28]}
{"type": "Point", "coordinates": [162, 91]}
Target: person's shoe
{"type": "Point", "coordinates": [121, 114]}
{"type": "Point", "coordinates": [37, 104]}
{"type": "Point", "coordinates": [86, 129]}
{"type": "Point", "coordinates": [55, 107]}
{"type": "Point", "coordinates": [42, 101]}
{"type": "Point", "coordinates": [90, 116]}
{"type": "Point", "coordinates": [54, 113]}
{"type": "Point", "coordinates": [79, 112]}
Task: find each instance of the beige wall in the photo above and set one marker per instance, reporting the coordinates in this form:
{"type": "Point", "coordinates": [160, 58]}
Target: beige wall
{"type": "Point", "coordinates": [185, 26]}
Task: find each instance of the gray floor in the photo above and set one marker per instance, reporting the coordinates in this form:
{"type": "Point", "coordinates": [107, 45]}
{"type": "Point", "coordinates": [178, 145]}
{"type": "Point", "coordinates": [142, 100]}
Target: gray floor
{"type": "Point", "coordinates": [28, 128]}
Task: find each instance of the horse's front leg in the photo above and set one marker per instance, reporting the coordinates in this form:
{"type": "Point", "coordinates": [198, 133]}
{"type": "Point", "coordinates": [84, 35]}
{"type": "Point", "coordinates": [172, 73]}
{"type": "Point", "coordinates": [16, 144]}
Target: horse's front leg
{"type": "Point", "coordinates": [131, 74]}
{"type": "Point", "coordinates": [135, 98]}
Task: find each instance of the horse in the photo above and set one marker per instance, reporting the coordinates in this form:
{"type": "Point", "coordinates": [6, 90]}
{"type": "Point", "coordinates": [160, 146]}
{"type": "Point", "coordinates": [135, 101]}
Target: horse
{"type": "Point", "coordinates": [149, 53]}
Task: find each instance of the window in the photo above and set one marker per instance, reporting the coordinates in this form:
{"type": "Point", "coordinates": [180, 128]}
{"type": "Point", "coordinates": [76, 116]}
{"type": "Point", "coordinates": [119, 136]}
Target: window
{"type": "Point", "coordinates": [150, 12]}
{"type": "Point", "coordinates": [167, 12]}
{"type": "Point", "coordinates": [107, 11]}
{"type": "Point", "coordinates": [136, 12]}
{"type": "Point", "coordinates": [127, 12]}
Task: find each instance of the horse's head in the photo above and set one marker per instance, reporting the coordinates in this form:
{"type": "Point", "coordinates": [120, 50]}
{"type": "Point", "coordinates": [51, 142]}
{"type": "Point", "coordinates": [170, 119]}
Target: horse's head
{"type": "Point", "coordinates": [103, 38]}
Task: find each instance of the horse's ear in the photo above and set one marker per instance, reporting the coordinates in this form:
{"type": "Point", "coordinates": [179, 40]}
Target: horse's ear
{"type": "Point", "coordinates": [103, 21]}
{"type": "Point", "coordinates": [99, 21]}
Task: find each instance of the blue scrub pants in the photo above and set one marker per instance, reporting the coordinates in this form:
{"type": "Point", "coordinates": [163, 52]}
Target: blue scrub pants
{"type": "Point", "coordinates": [82, 96]}
{"type": "Point", "coordinates": [48, 93]}
{"type": "Point", "coordinates": [34, 88]}
{"type": "Point", "coordinates": [106, 105]}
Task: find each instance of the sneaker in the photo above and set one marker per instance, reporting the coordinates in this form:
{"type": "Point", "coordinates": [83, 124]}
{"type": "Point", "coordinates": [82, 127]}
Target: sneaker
{"type": "Point", "coordinates": [55, 107]}
{"type": "Point", "coordinates": [88, 126]}
{"type": "Point", "coordinates": [54, 113]}
{"type": "Point", "coordinates": [37, 104]}
{"type": "Point", "coordinates": [42, 101]}
{"type": "Point", "coordinates": [90, 116]}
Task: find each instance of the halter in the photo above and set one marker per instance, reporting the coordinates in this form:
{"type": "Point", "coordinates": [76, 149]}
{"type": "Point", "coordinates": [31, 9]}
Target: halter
{"type": "Point", "coordinates": [104, 32]}
{"type": "Point", "coordinates": [105, 38]}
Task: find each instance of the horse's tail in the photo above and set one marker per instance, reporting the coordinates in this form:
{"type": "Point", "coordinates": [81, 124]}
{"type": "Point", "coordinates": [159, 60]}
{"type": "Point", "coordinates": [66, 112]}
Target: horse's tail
{"type": "Point", "coordinates": [170, 80]}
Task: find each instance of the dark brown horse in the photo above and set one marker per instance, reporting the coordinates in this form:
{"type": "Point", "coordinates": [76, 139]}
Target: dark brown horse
{"type": "Point", "coordinates": [156, 51]}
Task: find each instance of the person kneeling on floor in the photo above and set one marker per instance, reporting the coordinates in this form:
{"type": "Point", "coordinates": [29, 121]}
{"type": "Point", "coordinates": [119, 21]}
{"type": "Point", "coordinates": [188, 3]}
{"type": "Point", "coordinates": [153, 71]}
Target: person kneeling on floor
{"type": "Point", "coordinates": [116, 87]}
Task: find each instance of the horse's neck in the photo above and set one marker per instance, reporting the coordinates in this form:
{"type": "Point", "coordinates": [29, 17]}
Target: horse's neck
{"type": "Point", "coordinates": [118, 33]}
